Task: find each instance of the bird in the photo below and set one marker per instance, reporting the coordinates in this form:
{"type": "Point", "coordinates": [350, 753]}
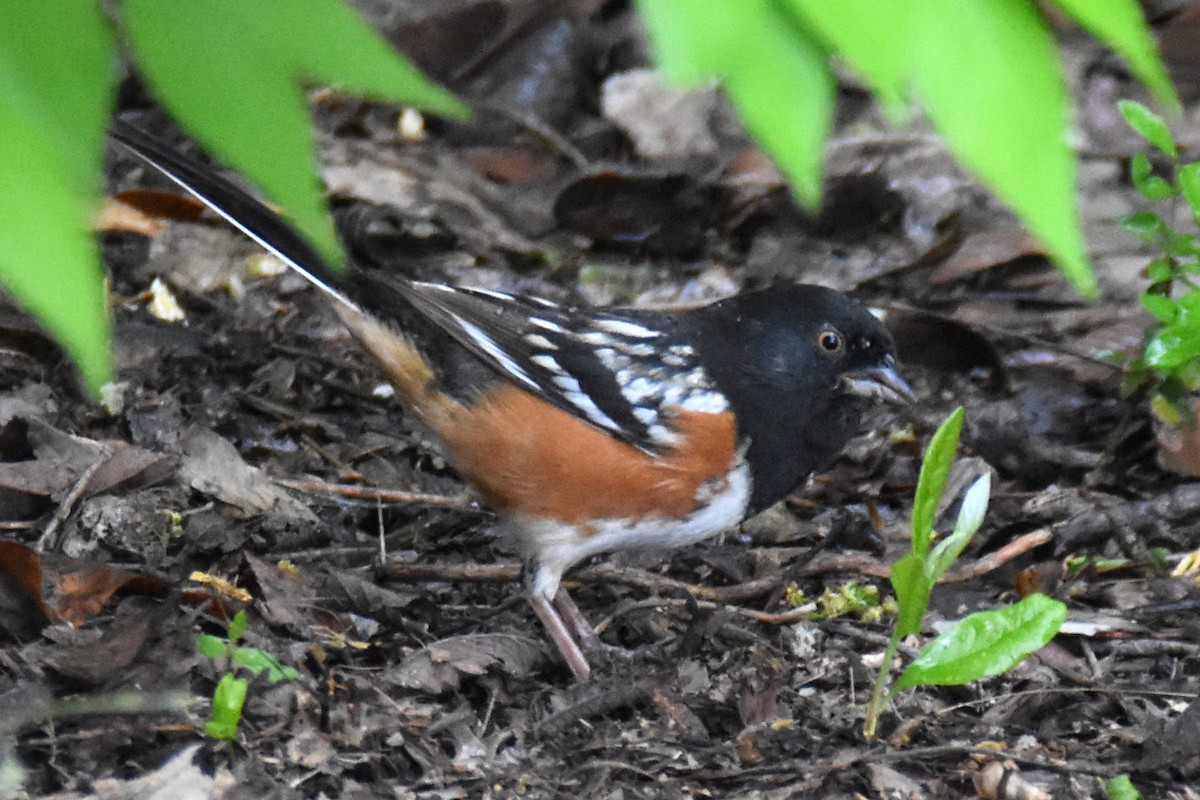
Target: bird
{"type": "Point", "coordinates": [601, 429]}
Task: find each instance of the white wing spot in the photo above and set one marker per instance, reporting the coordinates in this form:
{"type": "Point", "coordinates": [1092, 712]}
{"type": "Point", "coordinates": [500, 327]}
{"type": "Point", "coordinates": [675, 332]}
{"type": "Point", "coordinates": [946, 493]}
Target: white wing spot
{"type": "Point", "coordinates": [589, 407]}
{"type": "Point", "coordinates": [486, 344]}
{"type": "Point", "coordinates": [639, 350]}
{"type": "Point", "coordinates": [501, 296]}
{"type": "Point", "coordinates": [597, 339]}
{"type": "Point", "coordinates": [622, 327]}
{"type": "Point", "coordinates": [647, 416]}
{"type": "Point", "coordinates": [707, 402]}
{"type": "Point", "coordinates": [547, 361]}
{"type": "Point", "coordinates": [663, 434]}
{"type": "Point", "coordinates": [568, 384]}
{"type": "Point", "coordinates": [673, 360]}
{"type": "Point", "coordinates": [608, 357]}
{"type": "Point", "coordinates": [638, 390]}
{"type": "Point", "coordinates": [547, 325]}
{"type": "Point", "coordinates": [539, 341]}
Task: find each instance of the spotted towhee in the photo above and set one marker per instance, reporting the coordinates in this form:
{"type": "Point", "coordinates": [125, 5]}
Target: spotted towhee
{"type": "Point", "coordinates": [606, 429]}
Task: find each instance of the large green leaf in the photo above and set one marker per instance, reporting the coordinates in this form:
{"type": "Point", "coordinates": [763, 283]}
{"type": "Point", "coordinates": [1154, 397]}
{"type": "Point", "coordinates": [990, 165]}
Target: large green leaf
{"type": "Point", "coordinates": [55, 93]}
{"type": "Point", "coordinates": [234, 73]}
{"type": "Point", "coordinates": [775, 72]}
{"type": "Point", "coordinates": [1121, 25]}
{"type": "Point", "coordinates": [985, 643]}
{"type": "Point", "coordinates": [872, 36]}
{"type": "Point", "coordinates": [987, 74]}
{"type": "Point", "coordinates": [935, 469]}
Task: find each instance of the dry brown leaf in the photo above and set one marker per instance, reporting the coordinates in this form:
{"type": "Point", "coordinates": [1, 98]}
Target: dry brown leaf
{"type": "Point", "coordinates": [22, 612]}
{"type": "Point", "coordinates": [160, 205]}
{"type": "Point", "coordinates": [85, 592]}
{"type": "Point", "coordinates": [115, 215]}
{"type": "Point", "coordinates": [1179, 445]}
{"type": "Point", "coordinates": [213, 466]}
{"type": "Point", "coordinates": [440, 666]}
{"type": "Point", "coordinates": [984, 250]}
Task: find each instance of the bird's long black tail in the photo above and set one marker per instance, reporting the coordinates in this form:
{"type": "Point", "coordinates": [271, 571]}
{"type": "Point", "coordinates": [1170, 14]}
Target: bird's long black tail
{"type": "Point", "coordinates": [236, 205]}
{"type": "Point", "coordinates": [404, 365]}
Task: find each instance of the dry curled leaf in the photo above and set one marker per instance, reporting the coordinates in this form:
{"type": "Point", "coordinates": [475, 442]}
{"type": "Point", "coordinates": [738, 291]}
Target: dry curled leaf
{"type": "Point", "coordinates": [440, 666]}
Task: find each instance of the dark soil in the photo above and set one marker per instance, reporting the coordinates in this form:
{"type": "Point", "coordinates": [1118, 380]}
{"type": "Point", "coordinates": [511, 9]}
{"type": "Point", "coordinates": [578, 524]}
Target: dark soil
{"type": "Point", "coordinates": [251, 443]}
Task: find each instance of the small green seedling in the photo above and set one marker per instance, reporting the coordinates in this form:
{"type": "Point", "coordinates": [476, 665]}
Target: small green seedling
{"type": "Point", "coordinates": [230, 695]}
{"type": "Point", "coordinates": [982, 644]}
{"type": "Point", "coordinates": [1121, 788]}
{"type": "Point", "coordinates": [1169, 364]}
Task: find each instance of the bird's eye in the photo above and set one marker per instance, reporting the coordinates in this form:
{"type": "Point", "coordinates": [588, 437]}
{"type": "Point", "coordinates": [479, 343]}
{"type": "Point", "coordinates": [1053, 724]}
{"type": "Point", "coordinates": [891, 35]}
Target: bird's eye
{"type": "Point", "coordinates": [830, 341]}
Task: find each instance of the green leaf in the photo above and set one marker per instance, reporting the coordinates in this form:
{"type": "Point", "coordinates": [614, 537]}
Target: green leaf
{"type": "Point", "coordinates": [975, 64]}
{"type": "Point", "coordinates": [237, 626]}
{"type": "Point", "coordinates": [1120, 24]}
{"type": "Point", "coordinates": [1146, 182]}
{"type": "Point", "coordinates": [256, 661]}
{"type": "Point", "coordinates": [1182, 245]}
{"type": "Point", "coordinates": [1156, 188]}
{"type": "Point", "coordinates": [284, 673]}
{"type": "Point", "coordinates": [1145, 225]}
{"type": "Point", "coordinates": [1161, 307]}
{"type": "Point", "coordinates": [1174, 346]}
{"type": "Point", "coordinates": [970, 517]}
{"type": "Point", "coordinates": [872, 36]}
{"type": "Point", "coordinates": [935, 468]}
{"type": "Point", "coordinates": [1159, 270]}
{"type": "Point", "coordinates": [55, 95]}
{"type": "Point", "coordinates": [252, 659]}
{"type": "Point", "coordinates": [228, 699]}
{"type": "Point", "coordinates": [1151, 126]}
{"type": "Point", "coordinates": [912, 587]}
{"type": "Point", "coordinates": [211, 646]}
{"type": "Point", "coordinates": [1121, 788]}
{"type": "Point", "coordinates": [234, 73]}
{"type": "Point", "coordinates": [1188, 178]}
{"type": "Point", "coordinates": [1140, 168]}
{"type": "Point", "coordinates": [774, 72]}
{"type": "Point", "coordinates": [986, 643]}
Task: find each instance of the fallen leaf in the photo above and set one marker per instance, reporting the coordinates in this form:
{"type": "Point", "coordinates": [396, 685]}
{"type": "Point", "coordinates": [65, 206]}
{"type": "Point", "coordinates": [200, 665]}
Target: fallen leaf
{"type": "Point", "coordinates": [158, 204]}
{"type": "Point", "coordinates": [659, 213]}
{"type": "Point", "coordinates": [984, 250]}
{"type": "Point", "coordinates": [115, 215]}
{"type": "Point", "coordinates": [440, 666]}
{"type": "Point", "coordinates": [213, 466]}
{"type": "Point", "coordinates": [22, 612]}
{"type": "Point", "coordinates": [85, 592]}
{"type": "Point", "coordinates": [1179, 445]}
{"type": "Point", "coordinates": [662, 120]}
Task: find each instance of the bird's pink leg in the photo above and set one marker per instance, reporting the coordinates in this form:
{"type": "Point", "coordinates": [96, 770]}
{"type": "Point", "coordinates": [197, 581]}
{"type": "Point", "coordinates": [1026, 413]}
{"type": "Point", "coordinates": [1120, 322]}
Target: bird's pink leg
{"type": "Point", "coordinates": [560, 634]}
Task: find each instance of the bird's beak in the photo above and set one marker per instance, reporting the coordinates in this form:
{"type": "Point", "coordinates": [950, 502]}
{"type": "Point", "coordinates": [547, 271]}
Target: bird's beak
{"type": "Point", "coordinates": [882, 382]}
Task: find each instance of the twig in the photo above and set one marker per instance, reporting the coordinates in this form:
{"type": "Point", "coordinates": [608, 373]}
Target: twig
{"type": "Point", "coordinates": [49, 539]}
{"type": "Point", "coordinates": [538, 127]}
{"type": "Point", "coordinates": [993, 561]}
{"type": "Point", "coordinates": [356, 492]}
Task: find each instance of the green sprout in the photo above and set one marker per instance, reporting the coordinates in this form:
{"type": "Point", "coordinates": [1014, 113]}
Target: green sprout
{"type": "Point", "coordinates": [981, 644]}
{"type": "Point", "coordinates": [229, 697]}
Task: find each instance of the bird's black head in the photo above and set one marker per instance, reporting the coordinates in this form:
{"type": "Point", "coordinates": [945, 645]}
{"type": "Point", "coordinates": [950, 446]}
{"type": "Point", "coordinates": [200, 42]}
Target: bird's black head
{"type": "Point", "coordinates": [798, 364]}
